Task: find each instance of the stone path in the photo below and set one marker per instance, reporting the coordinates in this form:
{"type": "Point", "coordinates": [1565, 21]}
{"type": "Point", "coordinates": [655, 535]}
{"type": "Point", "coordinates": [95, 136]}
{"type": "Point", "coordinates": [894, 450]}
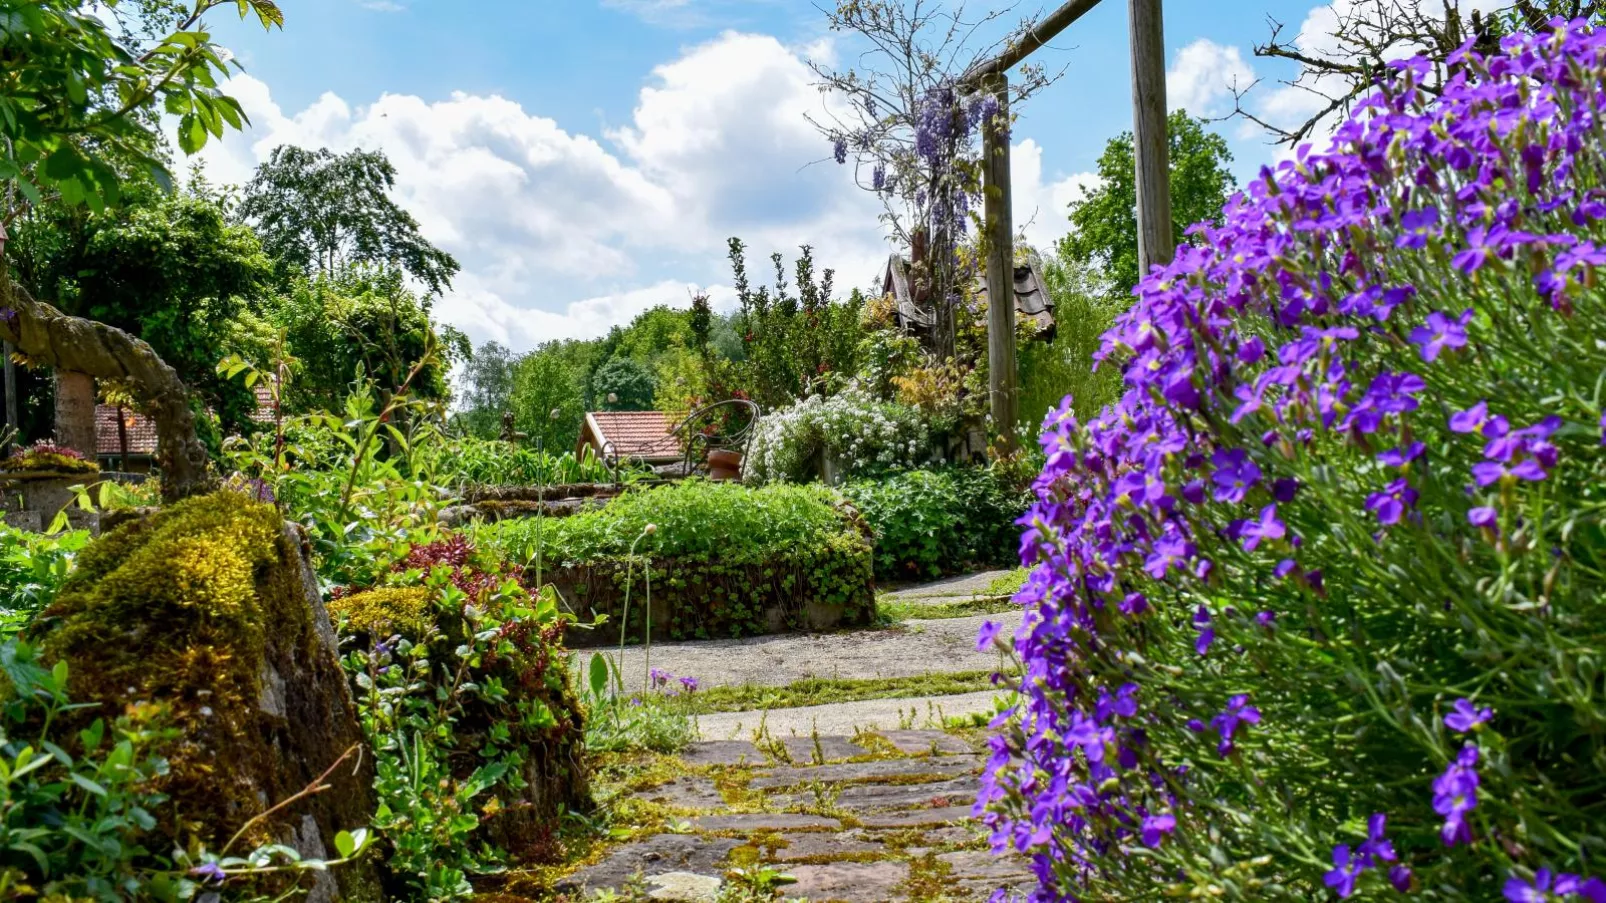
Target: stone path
{"type": "Point", "coordinates": [909, 650]}
{"type": "Point", "coordinates": [861, 819]}
{"type": "Point", "coordinates": [846, 717]}
{"type": "Point", "coordinates": [951, 589]}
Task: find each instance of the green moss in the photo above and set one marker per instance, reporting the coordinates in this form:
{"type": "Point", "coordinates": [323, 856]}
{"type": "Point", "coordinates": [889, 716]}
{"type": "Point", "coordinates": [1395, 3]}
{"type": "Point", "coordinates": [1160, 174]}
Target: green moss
{"type": "Point", "coordinates": [164, 618]}
{"type": "Point", "coordinates": [382, 612]}
{"type": "Point", "coordinates": [822, 691]}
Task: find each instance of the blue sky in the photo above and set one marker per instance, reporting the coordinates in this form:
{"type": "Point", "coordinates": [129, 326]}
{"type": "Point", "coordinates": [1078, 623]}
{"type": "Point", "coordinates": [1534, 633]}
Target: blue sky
{"type": "Point", "coordinates": [585, 159]}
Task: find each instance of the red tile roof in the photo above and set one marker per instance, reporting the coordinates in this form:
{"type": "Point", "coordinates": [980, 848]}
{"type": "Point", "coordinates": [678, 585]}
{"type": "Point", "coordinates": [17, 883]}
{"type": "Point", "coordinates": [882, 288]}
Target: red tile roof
{"type": "Point", "coordinates": [141, 432]}
{"type": "Point", "coordinates": [632, 434]}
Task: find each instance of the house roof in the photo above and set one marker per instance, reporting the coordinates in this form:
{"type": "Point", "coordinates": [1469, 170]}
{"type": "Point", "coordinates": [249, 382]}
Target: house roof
{"type": "Point", "coordinates": [1031, 295]}
{"type": "Point", "coordinates": [634, 434]}
{"type": "Point", "coordinates": [141, 431]}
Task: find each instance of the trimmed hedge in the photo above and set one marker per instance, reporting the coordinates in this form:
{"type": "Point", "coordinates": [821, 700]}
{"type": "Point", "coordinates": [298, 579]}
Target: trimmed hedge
{"type": "Point", "coordinates": [928, 523]}
{"type": "Point", "coordinates": [725, 560]}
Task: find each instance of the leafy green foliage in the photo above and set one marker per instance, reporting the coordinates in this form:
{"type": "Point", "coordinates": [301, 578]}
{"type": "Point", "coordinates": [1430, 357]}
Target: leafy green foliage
{"type": "Point", "coordinates": [478, 462]}
{"type": "Point", "coordinates": [488, 389]}
{"type": "Point", "coordinates": [1083, 309]}
{"type": "Point", "coordinates": [320, 213]}
{"type": "Point", "coordinates": [929, 523]}
{"type": "Point", "coordinates": [622, 384]}
{"type": "Point", "coordinates": [1104, 223]}
{"type": "Point", "coordinates": [33, 566]}
{"type": "Point", "coordinates": [458, 710]}
{"type": "Point", "coordinates": [549, 392]}
{"type": "Point", "coordinates": [79, 100]}
{"type": "Point", "coordinates": [794, 344]}
{"type": "Point", "coordinates": [169, 269]}
{"type": "Point", "coordinates": [359, 323]}
{"type": "Point", "coordinates": [623, 722]}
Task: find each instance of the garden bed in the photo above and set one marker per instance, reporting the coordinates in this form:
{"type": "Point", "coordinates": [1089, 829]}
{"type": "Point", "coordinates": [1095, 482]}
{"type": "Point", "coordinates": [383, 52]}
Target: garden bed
{"type": "Point", "coordinates": [723, 561]}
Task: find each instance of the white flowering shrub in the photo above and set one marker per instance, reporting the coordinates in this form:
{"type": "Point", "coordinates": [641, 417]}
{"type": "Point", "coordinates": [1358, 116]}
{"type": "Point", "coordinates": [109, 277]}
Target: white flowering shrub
{"type": "Point", "coordinates": [861, 434]}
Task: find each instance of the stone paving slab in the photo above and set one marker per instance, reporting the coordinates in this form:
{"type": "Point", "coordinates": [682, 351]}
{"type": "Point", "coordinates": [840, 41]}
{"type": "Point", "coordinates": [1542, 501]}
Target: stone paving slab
{"type": "Point", "coordinates": [820, 750]}
{"type": "Point", "coordinates": [936, 769]}
{"type": "Point", "coordinates": [924, 742]}
{"type": "Point", "coordinates": [867, 881]}
{"type": "Point", "coordinates": [762, 821]}
{"type": "Point", "coordinates": [657, 855]}
{"type": "Point", "coordinates": [722, 752]}
{"type": "Point", "coordinates": [880, 828]}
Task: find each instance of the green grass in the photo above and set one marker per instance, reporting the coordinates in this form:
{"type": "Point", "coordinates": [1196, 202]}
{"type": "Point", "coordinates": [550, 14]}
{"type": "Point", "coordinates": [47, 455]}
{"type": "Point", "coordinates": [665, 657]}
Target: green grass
{"type": "Point", "coordinates": [822, 691]}
{"type": "Point", "coordinates": [894, 611]}
{"type": "Point", "coordinates": [1008, 584]}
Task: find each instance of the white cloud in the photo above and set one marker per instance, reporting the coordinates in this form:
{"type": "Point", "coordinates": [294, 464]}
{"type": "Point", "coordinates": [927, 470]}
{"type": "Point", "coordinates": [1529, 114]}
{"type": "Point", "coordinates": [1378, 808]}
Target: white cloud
{"type": "Point", "coordinates": [1039, 208]}
{"type": "Point", "coordinates": [382, 6]}
{"type": "Point", "coordinates": [1203, 76]}
{"type": "Point", "coordinates": [563, 234]}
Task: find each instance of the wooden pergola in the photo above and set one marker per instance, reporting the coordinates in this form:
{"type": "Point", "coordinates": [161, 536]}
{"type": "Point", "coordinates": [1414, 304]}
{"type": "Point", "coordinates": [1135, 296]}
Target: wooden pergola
{"type": "Point", "coordinates": [1155, 244]}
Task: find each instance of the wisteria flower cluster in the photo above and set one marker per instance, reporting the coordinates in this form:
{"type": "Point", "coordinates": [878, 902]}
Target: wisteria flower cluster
{"type": "Point", "coordinates": [1315, 609]}
{"type": "Point", "coordinates": [861, 434]}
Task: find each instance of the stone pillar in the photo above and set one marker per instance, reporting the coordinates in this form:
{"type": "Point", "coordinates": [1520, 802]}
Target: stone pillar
{"type": "Point", "coordinates": [75, 412]}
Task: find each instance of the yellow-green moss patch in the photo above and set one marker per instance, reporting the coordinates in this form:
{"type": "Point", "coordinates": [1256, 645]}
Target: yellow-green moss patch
{"type": "Point", "coordinates": [382, 612]}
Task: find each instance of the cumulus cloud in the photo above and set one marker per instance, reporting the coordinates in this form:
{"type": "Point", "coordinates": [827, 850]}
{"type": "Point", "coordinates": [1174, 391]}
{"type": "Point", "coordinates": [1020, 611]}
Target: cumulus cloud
{"type": "Point", "coordinates": [1203, 76]}
{"type": "Point", "coordinates": [563, 234]}
{"type": "Point", "coordinates": [1039, 207]}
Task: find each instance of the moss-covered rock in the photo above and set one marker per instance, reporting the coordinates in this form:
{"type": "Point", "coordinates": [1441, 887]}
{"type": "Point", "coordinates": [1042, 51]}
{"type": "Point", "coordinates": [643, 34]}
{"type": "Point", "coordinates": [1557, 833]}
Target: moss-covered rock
{"type": "Point", "coordinates": [208, 614]}
{"type": "Point", "coordinates": [404, 610]}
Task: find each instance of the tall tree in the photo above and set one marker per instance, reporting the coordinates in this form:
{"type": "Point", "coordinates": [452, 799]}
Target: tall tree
{"type": "Point", "coordinates": [78, 114]}
{"type": "Point", "coordinates": [168, 268]}
{"type": "Point", "coordinates": [1104, 223]}
{"type": "Point", "coordinates": [622, 384]}
{"type": "Point", "coordinates": [549, 392]}
{"type": "Point", "coordinates": [488, 389]}
{"type": "Point", "coordinates": [319, 212]}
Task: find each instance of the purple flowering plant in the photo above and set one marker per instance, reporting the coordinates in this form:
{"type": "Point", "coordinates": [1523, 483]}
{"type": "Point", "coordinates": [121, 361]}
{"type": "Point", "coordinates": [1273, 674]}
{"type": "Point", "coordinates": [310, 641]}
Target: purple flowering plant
{"type": "Point", "coordinates": [1380, 430]}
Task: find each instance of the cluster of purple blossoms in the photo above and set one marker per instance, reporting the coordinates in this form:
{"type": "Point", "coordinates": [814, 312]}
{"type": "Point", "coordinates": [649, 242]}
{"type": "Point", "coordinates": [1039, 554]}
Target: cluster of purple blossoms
{"type": "Point", "coordinates": [1547, 887]}
{"type": "Point", "coordinates": [1254, 346]}
{"type": "Point", "coordinates": [1377, 851]}
{"type": "Point", "coordinates": [663, 681]}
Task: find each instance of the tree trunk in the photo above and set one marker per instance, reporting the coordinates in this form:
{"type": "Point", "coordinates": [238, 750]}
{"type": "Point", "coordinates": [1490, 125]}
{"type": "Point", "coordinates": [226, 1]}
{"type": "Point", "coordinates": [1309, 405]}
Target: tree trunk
{"type": "Point", "coordinates": [49, 338]}
{"type": "Point", "coordinates": [1152, 141]}
{"type": "Point", "coordinates": [75, 412]}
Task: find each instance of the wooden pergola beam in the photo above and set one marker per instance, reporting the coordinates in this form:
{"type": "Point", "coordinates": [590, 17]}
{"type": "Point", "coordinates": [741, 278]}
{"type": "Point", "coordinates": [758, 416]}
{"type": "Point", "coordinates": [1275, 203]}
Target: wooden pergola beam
{"type": "Point", "coordinates": [1039, 35]}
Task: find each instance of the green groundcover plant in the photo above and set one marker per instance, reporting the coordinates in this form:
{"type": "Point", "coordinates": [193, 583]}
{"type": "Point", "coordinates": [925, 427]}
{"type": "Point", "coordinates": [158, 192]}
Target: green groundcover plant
{"type": "Point", "coordinates": [1317, 605]}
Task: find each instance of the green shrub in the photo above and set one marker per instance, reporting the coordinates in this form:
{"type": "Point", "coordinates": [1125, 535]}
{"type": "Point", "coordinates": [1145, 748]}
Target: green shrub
{"type": "Point", "coordinates": [464, 693]}
{"type": "Point", "coordinates": [863, 435]}
{"type": "Point", "coordinates": [725, 559]}
{"type": "Point", "coordinates": [467, 461]}
{"type": "Point", "coordinates": [33, 566]}
{"type": "Point", "coordinates": [929, 523]}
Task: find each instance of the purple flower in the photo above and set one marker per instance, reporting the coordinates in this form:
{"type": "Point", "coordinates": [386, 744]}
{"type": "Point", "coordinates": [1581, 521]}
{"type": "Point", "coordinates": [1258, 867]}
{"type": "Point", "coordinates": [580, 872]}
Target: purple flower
{"type": "Point", "coordinates": [1155, 827]}
{"type": "Point", "coordinates": [839, 149]}
{"type": "Point", "coordinates": [1267, 527]}
{"type": "Point", "coordinates": [1207, 633]}
{"type": "Point", "coordinates": [689, 683]}
{"type": "Point", "coordinates": [1483, 517]}
{"type": "Point", "coordinates": [1226, 724]}
{"type": "Point", "coordinates": [1399, 457]}
{"type": "Point", "coordinates": [1440, 333]}
{"type": "Point", "coordinates": [1537, 891]}
{"type": "Point", "coordinates": [209, 871]}
{"type": "Point", "coordinates": [1467, 717]}
{"type": "Point", "coordinates": [1234, 475]}
{"type": "Point", "coordinates": [1377, 848]}
{"type": "Point", "coordinates": [1345, 870]}
{"type": "Point", "coordinates": [989, 635]}
{"type": "Point", "coordinates": [1455, 795]}
{"type": "Point", "coordinates": [1417, 225]}
{"type": "Point", "coordinates": [1400, 877]}
{"type": "Point", "coordinates": [660, 677]}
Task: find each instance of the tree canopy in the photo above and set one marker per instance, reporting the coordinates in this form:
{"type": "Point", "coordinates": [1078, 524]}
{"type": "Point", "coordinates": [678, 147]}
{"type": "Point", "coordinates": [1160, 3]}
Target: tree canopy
{"type": "Point", "coordinates": [1104, 233]}
{"type": "Point", "coordinates": [319, 212]}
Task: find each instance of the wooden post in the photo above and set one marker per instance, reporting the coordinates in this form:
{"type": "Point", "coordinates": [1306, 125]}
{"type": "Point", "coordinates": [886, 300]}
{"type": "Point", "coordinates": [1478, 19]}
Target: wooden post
{"type": "Point", "coordinates": [75, 412]}
{"type": "Point", "coordinates": [1152, 142]}
{"type": "Point", "coordinates": [1000, 244]}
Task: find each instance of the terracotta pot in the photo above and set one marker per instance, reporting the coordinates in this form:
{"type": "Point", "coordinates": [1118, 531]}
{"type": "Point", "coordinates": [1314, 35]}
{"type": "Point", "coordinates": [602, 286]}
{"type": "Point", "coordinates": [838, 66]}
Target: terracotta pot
{"type": "Point", "coordinates": [724, 465]}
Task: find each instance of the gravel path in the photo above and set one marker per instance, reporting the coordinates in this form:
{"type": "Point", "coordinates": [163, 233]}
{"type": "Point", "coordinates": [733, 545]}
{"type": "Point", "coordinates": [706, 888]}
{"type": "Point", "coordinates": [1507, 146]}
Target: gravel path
{"type": "Point", "coordinates": [910, 650]}
{"type": "Point", "coordinates": [952, 589]}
